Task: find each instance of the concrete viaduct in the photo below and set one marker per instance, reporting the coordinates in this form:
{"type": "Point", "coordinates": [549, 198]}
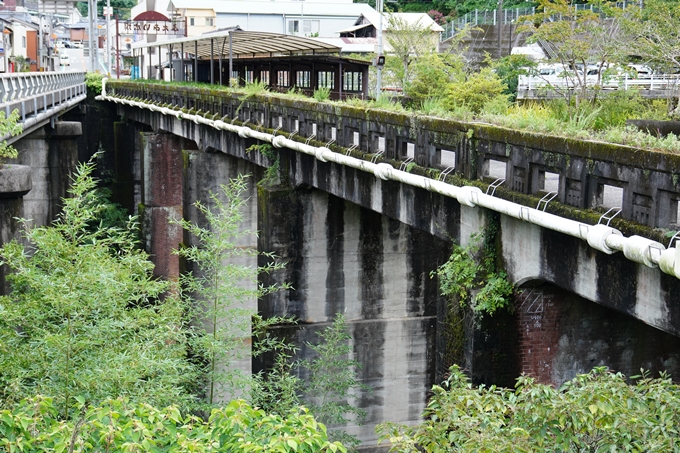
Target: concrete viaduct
{"type": "Point", "coordinates": [366, 204]}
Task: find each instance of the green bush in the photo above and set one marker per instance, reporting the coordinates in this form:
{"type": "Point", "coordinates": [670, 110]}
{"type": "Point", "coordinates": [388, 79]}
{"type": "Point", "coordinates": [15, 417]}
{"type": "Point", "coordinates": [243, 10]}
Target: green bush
{"type": "Point", "coordinates": [93, 82]}
{"type": "Point", "coordinates": [595, 412]}
{"type": "Point", "coordinates": [9, 125]}
{"type": "Point", "coordinates": [431, 76]}
{"type": "Point", "coordinates": [116, 425]}
{"type": "Point", "coordinates": [479, 89]}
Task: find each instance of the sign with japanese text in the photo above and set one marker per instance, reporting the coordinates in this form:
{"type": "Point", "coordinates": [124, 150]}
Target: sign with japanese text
{"type": "Point", "coordinates": [153, 27]}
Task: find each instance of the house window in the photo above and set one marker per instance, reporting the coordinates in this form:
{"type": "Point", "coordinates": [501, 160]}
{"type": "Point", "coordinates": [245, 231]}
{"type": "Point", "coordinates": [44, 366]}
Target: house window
{"type": "Point", "coordinates": [352, 81]}
{"type": "Point", "coordinates": [326, 79]}
{"type": "Point", "coordinates": [23, 41]}
{"type": "Point", "coordinates": [282, 78]}
{"type": "Point", "coordinates": [264, 77]}
{"type": "Point", "coordinates": [249, 76]}
{"type": "Point", "coordinates": [293, 27]}
{"type": "Point", "coordinates": [303, 79]}
{"type": "Point", "coordinates": [192, 21]}
{"type": "Point", "coordinates": [209, 21]}
{"type": "Point", "coordinates": [310, 27]}
{"type": "Point", "coordinates": [307, 27]}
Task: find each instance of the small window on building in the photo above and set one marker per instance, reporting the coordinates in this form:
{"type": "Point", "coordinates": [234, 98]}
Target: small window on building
{"type": "Point", "coordinates": [209, 22]}
{"type": "Point", "coordinates": [326, 79]}
{"type": "Point", "coordinates": [303, 79]}
{"type": "Point", "coordinates": [352, 81]}
{"type": "Point", "coordinates": [23, 41]}
{"type": "Point", "coordinates": [192, 21]}
{"type": "Point", "coordinates": [310, 27]}
{"type": "Point", "coordinates": [264, 77]}
{"type": "Point", "coordinates": [234, 75]}
{"type": "Point", "coordinates": [282, 79]}
{"type": "Point", "coordinates": [293, 27]}
{"type": "Point", "coordinates": [249, 76]}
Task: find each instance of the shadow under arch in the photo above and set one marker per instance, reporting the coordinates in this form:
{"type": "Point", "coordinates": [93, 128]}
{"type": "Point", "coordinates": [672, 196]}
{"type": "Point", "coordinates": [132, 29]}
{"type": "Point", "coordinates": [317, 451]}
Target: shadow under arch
{"type": "Point", "coordinates": [561, 334]}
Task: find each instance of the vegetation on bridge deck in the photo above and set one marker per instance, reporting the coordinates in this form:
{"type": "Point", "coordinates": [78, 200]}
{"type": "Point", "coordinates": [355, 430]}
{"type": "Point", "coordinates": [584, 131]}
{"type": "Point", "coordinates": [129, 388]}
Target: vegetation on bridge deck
{"type": "Point", "coordinates": [447, 131]}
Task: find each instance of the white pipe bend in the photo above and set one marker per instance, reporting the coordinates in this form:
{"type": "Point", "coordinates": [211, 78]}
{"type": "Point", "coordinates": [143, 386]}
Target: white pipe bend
{"type": "Point", "coordinates": [600, 237]}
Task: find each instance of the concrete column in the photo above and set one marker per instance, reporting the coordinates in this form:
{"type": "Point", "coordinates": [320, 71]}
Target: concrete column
{"type": "Point", "coordinates": [161, 200]}
{"type": "Point", "coordinates": [15, 182]}
{"type": "Point", "coordinates": [204, 173]}
{"type": "Point", "coordinates": [341, 258]}
{"type": "Point", "coordinates": [63, 159]}
{"type": "Point", "coordinates": [127, 170]}
{"type": "Point", "coordinates": [52, 156]}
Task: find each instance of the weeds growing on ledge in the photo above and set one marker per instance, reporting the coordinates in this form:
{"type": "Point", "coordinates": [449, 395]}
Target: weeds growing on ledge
{"type": "Point", "coordinates": [604, 122]}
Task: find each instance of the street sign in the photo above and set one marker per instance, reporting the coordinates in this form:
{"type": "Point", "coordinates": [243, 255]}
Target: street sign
{"type": "Point", "coordinates": [108, 10]}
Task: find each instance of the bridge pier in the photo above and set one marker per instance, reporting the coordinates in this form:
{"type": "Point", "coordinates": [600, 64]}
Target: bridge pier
{"type": "Point", "coordinates": [161, 200]}
{"type": "Point", "coordinates": [52, 155]}
{"type": "Point", "coordinates": [342, 258]}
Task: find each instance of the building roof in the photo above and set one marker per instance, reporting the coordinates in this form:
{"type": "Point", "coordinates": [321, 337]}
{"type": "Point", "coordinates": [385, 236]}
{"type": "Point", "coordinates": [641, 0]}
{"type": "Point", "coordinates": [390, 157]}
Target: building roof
{"type": "Point", "coordinates": [276, 7]}
{"type": "Point", "coordinates": [248, 44]}
{"type": "Point", "coordinates": [373, 17]}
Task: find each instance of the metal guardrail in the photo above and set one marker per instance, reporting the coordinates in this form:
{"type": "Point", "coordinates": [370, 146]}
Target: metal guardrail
{"type": "Point", "coordinates": [662, 84]}
{"type": "Point", "coordinates": [507, 16]}
{"type": "Point", "coordinates": [40, 95]}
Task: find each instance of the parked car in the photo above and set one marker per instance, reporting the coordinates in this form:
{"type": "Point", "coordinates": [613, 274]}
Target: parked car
{"type": "Point", "coordinates": [64, 60]}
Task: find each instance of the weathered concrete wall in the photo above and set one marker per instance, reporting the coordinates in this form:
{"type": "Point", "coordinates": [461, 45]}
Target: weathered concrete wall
{"type": "Point", "coordinates": [528, 252]}
{"type": "Point", "coordinates": [15, 182]}
{"type": "Point", "coordinates": [204, 173]}
{"type": "Point", "coordinates": [50, 157]}
{"type": "Point", "coordinates": [341, 258]}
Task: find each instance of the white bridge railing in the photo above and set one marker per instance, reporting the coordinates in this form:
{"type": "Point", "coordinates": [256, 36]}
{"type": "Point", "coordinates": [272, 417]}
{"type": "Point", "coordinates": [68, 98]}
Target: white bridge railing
{"type": "Point", "coordinates": [662, 86]}
{"type": "Point", "coordinates": [40, 95]}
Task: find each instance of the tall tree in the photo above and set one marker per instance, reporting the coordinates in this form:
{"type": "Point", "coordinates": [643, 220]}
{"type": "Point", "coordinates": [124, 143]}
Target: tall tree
{"type": "Point", "coordinates": [85, 317]}
{"type": "Point", "coordinates": [655, 37]}
{"type": "Point", "coordinates": [220, 292]}
{"type": "Point", "coordinates": [576, 37]}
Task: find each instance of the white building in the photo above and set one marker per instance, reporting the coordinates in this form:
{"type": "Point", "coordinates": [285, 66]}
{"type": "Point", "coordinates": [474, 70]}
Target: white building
{"type": "Point", "coordinates": [300, 18]}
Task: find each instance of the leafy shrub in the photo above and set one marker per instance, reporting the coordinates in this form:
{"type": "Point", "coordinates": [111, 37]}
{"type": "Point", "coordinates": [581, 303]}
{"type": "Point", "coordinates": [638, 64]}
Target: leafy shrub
{"type": "Point", "coordinates": [474, 93]}
{"type": "Point", "coordinates": [431, 75]}
{"type": "Point", "coordinates": [93, 82]}
{"type": "Point", "coordinates": [471, 278]}
{"type": "Point", "coordinates": [117, 425]}
{"type": "Point", "coordinates": [9, 125]}
{"type": "Point", "coordinates": [595, 412]}
{"type": "Point", "coordinates": [84, 318]}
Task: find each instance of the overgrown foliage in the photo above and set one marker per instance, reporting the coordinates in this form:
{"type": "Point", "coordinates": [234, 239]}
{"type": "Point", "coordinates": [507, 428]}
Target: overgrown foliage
{"type": "Point", "coordinates": [93, 82]}
{"type": "Point", "coordinates": [595, 412]}
{"type": "Point", "coordinates": [332, 381]}
{"type": "Point", "coordinates": [470, 276]}
{"type": "Point", "coordinates": [9, 126]}
{"type": "Point", "coordinates": [118, 425]}
{"type": "Point", "coordinates": [85, 317]}
{"type": "Point", "coordinates": [221, 291]}
{"type": "Point", "coordinates": [581, 37]}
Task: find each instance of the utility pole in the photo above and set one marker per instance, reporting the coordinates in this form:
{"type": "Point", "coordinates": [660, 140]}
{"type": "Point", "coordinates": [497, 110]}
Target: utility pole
{"type": "Point", "coordinates": [107, 51]}
{"type": "Point", "coordinates": [378, 85]}
{"type": "Point", "coordinates": [92, 38]}
{"type": "Point", "coordinates": [41, 40]}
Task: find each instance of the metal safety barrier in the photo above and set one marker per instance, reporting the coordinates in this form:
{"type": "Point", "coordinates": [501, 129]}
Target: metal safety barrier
{"type": "Point", "coordinates": [40, 95]}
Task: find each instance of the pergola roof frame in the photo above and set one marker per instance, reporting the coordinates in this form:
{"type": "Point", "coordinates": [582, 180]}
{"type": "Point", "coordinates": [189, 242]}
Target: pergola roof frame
{"type": "Point", "coordinates": [248, 43]}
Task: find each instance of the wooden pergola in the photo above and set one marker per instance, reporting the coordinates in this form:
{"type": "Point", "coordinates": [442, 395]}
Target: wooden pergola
{"type": "Point", "coordinates": [280, 61]}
